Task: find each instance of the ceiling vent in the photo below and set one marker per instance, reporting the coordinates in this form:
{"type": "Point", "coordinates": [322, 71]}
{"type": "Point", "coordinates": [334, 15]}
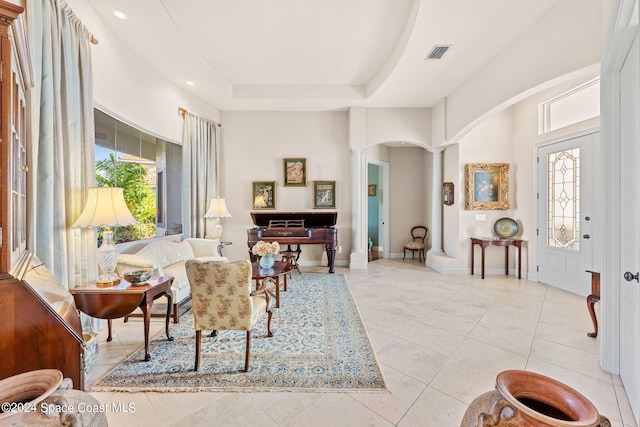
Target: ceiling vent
{"type": "Point", "coordinates": [438, 51]}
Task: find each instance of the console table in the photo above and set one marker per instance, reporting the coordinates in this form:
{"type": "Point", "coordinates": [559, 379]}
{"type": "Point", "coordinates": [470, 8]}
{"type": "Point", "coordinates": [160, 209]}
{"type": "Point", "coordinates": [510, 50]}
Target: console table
{"type": "Point", "coordinates": [120, 300]}
{"type": "Point", "coordinates": [483, 242]}
{"type": "Point", "coordinates": [593, 298]}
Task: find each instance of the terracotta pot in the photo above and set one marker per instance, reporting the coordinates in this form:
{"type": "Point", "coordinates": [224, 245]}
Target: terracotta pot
{"type": "Point", "coordinates": [21, 394]}
{"type": "Point", "coordinates": [528, 399]}
{"type": "Point", "coordinates": [42, 398]}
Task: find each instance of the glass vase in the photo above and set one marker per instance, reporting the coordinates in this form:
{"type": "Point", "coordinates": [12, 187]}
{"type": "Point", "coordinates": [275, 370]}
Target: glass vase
{"type": "Point", "coordinates": [267, 261]}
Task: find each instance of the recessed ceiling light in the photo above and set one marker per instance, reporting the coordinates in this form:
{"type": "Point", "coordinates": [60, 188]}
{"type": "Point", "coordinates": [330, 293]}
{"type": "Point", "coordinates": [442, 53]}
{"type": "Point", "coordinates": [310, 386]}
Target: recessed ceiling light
{"type": "Point", "coordinates": [190, 83]}
{"type": "Point", "coordinates": [119, 14]}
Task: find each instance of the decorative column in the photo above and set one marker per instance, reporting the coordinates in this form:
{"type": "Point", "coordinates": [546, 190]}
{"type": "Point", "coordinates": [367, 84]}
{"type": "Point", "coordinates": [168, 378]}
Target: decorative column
{"type": "Point", "coordinates": [436, 203]}
{"type": "Point", "coordinates": [356, 200]}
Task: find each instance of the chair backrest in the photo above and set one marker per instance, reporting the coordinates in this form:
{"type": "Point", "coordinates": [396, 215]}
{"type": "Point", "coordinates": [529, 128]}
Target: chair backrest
{"type": "Point", "coordinates": [220, 292]}
{"type": "Point", "coordinates": [419, 232]}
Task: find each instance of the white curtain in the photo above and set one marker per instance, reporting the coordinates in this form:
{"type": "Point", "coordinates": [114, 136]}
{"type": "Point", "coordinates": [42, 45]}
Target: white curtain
{"type": "Point", "coordinates": [63, 140]}
{"type": "Point", "coordinates": [200, 150]}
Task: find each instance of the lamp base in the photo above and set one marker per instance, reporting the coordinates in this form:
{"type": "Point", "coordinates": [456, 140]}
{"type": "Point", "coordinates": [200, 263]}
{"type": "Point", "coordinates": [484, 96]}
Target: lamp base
{"type": "Point", "coordinates": [108, 279]}
{"type": "Point", "coordinates": [216, 233]}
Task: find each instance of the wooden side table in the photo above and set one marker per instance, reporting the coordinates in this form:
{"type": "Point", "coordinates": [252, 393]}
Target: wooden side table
{"type": "Point", "coordinates": [483, 242]}
{"type": "Point", "coordinates": [279, 269]}
{"type": "Point", "coordinates": [118, 301]}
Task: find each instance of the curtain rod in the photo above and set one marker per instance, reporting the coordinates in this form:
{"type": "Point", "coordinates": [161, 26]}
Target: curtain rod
{"type": "Point", "coordinates": [184, 111]}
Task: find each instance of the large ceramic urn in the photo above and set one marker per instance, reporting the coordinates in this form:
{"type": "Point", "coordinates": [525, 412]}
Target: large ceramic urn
{"type": "Point", "coordinates": [527, 399]}
{"type": "Point", "coordinates": [43, 398]}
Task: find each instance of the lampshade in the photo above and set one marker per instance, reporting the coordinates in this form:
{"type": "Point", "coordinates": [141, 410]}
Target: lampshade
{"type": "Point", "coordinates": [217, 209]}
{"type": "Point", "coordinates": [105, 206]}
{"type": "Point", "coordinates": [259, 202]}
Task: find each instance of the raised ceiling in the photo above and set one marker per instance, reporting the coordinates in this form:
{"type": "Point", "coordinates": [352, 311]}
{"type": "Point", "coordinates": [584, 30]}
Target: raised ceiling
{"type": "Point", "coordinates": [318, 55]}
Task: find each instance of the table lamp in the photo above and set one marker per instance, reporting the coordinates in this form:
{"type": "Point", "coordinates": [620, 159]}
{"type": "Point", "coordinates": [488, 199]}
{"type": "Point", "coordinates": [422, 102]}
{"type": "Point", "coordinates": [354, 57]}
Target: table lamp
{"type": "Point", "coordinates": [105, 207]}
{"type": "Point", "coordinates": [217, 209]}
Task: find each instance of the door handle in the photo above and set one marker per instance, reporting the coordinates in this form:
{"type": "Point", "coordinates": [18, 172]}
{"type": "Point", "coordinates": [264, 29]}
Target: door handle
{"type": "Point", "coordinates": [586, 236]}
{"type": "Point", "coordinates": [629, 276]}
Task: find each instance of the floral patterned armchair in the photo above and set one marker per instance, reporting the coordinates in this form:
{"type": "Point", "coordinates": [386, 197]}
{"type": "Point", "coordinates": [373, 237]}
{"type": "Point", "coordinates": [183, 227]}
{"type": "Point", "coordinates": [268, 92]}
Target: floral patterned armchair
{"type": "Point", "coordinates": [222, 300]}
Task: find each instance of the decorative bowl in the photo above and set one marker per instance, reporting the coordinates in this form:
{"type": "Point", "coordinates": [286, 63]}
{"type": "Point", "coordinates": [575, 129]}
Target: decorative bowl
{"type": "Point", "coordinates": [505, 228]}
{"type": "Point", "coordinates": [137, 276]}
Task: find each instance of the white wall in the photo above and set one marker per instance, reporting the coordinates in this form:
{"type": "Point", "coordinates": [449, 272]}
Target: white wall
{"type": "Point", "coordinates": [412, 125]}
{"type": "Point", "coordinates": [568, 39]}
{"type": "Point", "coordinates": [490, 142]}
{"type": "Point", "coordinates": [255, 144]}
{"type": "Point", "coordinates": [127, 88]}
{"type": "Point", "coordinates": [510, 137]}
{"type": "Point", "coordinates": [408, 194]}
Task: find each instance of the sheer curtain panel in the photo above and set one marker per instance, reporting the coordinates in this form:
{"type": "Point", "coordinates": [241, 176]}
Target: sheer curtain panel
{"type": "Point", "coordinates": [63, 140]}
{"type": "Point", "coordinates": [200, 148]}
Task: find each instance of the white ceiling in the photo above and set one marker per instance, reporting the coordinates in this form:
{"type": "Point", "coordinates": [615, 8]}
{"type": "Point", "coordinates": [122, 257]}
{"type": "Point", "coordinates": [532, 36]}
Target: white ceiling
{"type": "Point", "coordinates": [318, 55]}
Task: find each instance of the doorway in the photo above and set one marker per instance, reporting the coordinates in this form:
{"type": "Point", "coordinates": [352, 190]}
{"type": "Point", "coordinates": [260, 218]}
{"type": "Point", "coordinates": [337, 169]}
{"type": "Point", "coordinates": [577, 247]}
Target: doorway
{"type": "Point", "coordinates": [565, 218]}
{"type": "Point", "coordinates": [377, 209]}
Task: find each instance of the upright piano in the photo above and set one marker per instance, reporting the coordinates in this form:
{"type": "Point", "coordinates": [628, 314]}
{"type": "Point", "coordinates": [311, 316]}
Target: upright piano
{"type": "Point", "coordinates": [296, 228]}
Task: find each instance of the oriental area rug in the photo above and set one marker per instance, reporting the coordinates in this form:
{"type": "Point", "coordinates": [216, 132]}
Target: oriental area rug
{"type": "Point", "coordinates": [319, 343]}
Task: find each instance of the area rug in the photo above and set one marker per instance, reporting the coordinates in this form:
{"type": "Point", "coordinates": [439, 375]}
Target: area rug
{"type": "Point", "coordinates": [319, 344]}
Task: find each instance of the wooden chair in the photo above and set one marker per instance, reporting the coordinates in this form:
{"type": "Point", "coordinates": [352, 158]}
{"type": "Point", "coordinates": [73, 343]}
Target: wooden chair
{"type": "Point", "coordinates": [418, 234]}
{"type": "Point", "coordinates": [222, 300]}
{"type": "Point", "coordinates": [291, 255]}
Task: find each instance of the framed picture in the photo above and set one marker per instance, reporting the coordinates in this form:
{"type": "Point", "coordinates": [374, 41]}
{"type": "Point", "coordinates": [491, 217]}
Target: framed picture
{"type": "Point", "coordinates": [324, 194]}
{"type": "Point", "coordinates": [372, 189]}
{"type": "Point", "coordinates": [264, 195]}
{"type": "Point", "coordinates": [447, 193]}
{"type": "Point", "coordinates": [487, 186]}
{"type": "Point", "coordinates": [295, 172]}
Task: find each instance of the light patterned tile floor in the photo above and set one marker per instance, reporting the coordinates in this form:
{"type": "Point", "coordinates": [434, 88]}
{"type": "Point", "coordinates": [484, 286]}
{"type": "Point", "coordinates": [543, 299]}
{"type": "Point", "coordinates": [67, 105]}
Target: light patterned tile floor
{"type": "Point", "coordinates": [440, 341]}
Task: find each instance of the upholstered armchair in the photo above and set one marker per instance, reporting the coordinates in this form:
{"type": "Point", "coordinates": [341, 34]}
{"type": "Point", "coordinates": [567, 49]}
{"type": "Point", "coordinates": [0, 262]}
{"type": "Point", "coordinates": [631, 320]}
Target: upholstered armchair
{"type": "Point", "coordinates": [418, 234]}
{"type": "Point", "coordinates": [222, 300]}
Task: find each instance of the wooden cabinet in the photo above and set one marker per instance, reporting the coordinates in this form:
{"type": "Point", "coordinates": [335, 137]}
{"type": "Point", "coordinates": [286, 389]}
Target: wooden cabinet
{"type": "Point", "coordinates": [15, 76]}
{"type": "Point", "coordinates": [40, 326]}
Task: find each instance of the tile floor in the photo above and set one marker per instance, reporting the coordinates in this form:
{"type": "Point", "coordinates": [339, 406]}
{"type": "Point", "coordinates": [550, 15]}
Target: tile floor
{"type": "Point", "coordinates": [440, 340]}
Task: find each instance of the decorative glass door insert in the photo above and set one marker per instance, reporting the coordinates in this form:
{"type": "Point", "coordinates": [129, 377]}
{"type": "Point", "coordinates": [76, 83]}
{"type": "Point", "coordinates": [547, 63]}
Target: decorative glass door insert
{"type": "Point", "coordinates": [564, 199]}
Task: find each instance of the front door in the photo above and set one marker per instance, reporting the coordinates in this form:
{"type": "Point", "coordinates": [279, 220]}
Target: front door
{"type": "Point", "coordinates": [564, 239]}
{"type": "Point", "coordinates": [630, 228]}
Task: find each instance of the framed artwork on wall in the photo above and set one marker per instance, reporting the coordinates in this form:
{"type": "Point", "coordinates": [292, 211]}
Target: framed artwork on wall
{"type": "Point", "coordinates": [372, 189]}
{"type": "Point", "coordinates": [264, 195]}
{"type": "Point", "coordinates": [447, 193]}
{"type": "Point", "coordinates": [295, 172]}
{"type": "Point", "coordinates": [324, 194]}
{"type": "Point", "coordinates": [487, 186]}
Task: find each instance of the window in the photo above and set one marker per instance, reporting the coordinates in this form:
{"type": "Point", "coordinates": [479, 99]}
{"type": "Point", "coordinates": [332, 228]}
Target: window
{"type": "Point", "coordinates": [579, 104]}
{"type": "Point", "coordinates": [150, 171]}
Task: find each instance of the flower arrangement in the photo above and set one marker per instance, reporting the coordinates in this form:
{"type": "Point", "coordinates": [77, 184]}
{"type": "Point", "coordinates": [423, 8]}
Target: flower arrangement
{"type": "Point", "coordinates": [262, 248]}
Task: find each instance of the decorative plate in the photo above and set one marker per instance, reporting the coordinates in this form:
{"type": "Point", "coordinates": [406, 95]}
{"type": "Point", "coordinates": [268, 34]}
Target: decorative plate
{"type": "Point", "coordinates": [505, 228]}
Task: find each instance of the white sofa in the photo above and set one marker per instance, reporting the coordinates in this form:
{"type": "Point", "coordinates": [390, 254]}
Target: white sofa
{"type": "Point", "coordinates": [168, 259]}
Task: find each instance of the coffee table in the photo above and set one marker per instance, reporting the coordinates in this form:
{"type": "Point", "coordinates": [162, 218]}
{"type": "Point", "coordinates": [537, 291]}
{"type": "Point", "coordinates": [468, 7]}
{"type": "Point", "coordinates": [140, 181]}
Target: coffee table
{"type": "Point", "coordinates": [120, 300]}
{"type": "Point", "coordinates": [279, 269]}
